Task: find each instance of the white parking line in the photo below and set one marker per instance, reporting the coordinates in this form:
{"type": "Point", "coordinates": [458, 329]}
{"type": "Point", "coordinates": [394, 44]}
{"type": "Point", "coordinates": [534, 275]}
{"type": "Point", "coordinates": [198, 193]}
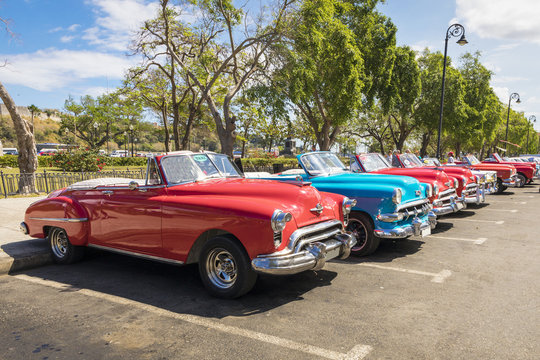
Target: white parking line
{"type": "Point", "coordinates": [436, 277]}
{"type": "Point", "coordinates": [506, 201]}
{"type": "Point", "coordinates": [502, 210]}
{"type": "Point", "coordinates": [357, 352]}
{"type": "Point", "coordinates": [478, 241]}
{"type": "Point", "coordinates": [498, 222]}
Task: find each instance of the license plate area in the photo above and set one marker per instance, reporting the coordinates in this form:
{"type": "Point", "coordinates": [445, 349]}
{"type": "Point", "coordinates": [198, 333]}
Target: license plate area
{"type": "Point", "coordinates": [332, 253]}
{"type": "Point", "coordinates": [425, 232]}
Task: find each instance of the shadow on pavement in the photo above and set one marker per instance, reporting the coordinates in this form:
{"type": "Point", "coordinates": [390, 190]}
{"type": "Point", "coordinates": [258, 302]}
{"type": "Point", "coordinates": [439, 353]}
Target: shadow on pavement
{"type": "Point", "coordinates": [177, 288]}
{"type": "Point", "coordinates": [442, 227]}
{"type": "Point", "coordinates": [505, 193]}
{"type": "Point", "coordinates": [460, 214]}
{"type": "Point", "coordinates": [388, 251]}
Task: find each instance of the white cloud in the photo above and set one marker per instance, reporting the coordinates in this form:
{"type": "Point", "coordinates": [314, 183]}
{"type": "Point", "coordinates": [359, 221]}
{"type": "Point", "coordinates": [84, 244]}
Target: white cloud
{"type": "Point", "coordinates": [66, 38]}
{"type": "Point", "coordinates": [501, 19]}
{"type": "Point", "coordinates": [502, 93]}
{"type": "Point", "coordinates": [421, 45]}
{"type": "Point", "coordinates": [95, 91]}
{"type": "Point", "coordinates": [73, 27]}
{"type": "Point", "coordinates": [51, 69]}
{"type": "Point", "coordinates": [117, 20]}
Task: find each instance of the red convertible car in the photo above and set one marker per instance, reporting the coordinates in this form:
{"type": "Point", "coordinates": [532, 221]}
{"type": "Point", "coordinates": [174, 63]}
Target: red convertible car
{"type": "Point", "coordinates": [526, 171]}
{"type": "Point", "coordinates": [443, 196]}
{"type": "Point", "coordinates": [506, 174]}
{"type": "Point", "coordinates": [198, 208]}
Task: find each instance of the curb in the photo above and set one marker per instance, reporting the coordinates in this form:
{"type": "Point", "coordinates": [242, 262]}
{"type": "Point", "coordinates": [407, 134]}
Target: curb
{"type": "Point", "coordinates": [10, 265]}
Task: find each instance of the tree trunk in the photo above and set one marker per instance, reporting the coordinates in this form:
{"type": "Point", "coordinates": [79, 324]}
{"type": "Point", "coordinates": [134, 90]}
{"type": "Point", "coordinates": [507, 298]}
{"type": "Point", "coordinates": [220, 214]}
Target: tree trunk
{"type": "Point", "coordinates": [26, 143]}
{"type": "Point", "coordinates": [482, 151]}
{"type": "Point", "coordinates": [425, 142]}
{"type": "Point", "coordinates": [165, 127]}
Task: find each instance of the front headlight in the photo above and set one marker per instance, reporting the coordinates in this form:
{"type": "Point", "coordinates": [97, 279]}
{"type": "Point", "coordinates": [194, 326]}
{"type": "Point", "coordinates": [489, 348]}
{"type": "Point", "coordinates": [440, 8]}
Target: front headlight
{"type": "Point", "coordinates": [279, 220]}
{"type": "Point", "coordinates": [464, 178]}
{"type": "Point", "coordinates": [435, 189]}
{"type": "Point", "coordinates": [396, 196]}
{"type": "Point", "coordinates": [347, 205]}
{"type": "Point", "coordinates": [456, 183]}
{"type": "Point", "coordinates": [429, 190]}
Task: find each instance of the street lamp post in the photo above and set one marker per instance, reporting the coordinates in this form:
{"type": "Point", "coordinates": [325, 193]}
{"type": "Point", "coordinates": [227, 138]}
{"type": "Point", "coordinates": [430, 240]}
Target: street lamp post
{"type": "Point", "coordinates": [513, 96]}
{"type": "Point", "coordinates": [532, 119]}
{"type": "Point", "coordinates": [454, 30]}
{"type": "Point", "coordinates": [131, 138]}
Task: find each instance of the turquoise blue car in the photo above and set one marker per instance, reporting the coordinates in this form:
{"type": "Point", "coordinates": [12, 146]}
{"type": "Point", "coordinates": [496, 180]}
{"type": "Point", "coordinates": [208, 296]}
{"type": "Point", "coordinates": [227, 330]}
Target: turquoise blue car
{"type": "Point", "coordinates": [387, 206]}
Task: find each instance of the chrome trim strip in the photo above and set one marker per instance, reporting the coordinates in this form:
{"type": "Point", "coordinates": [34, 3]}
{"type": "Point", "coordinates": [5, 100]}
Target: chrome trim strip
{"type": "Point", "coordinates": [61, 219]}
{"type": "Point", "coordinates": [141, 187]}
{"type": "Point", "coordinates": [412, 203]}
{"type": "Point", "coordinates": [310, 229]}
{"type": "Point", "coordinates": [131, 253]}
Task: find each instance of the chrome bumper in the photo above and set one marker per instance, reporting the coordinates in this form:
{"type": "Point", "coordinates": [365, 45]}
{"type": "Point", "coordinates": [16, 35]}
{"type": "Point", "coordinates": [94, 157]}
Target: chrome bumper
{"type": "Point", "coordinates": [511, 181]}
{"type": "Point", "coordinates": [416, 228]}
{"type": "Point", "coordinates": [477, 198]}
{"type": "Point", "coordinates": [490, 188]}
{"type": "Point", "coordinates": [456, 204]}
{"type": "Point", "coordinates": [312, 257]}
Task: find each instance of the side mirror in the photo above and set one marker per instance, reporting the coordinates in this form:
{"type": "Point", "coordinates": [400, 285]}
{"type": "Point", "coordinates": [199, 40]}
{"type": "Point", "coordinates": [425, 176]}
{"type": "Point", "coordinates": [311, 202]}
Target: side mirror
{"type": "Point", "coordinates": [133, 185]}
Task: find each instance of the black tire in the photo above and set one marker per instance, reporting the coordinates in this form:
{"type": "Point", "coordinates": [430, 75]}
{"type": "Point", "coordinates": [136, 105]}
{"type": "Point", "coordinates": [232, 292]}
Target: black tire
{"type": "Point", "coordinates": [522, 180]}
{"type": "Point", "coordinates": [238, 277]}
{"type": "Point", "coordinates": [500, 186]}
{"type": "Point", "coordinates": [62, 251]}
{"type": "Point", "coordinates": [362, 228]}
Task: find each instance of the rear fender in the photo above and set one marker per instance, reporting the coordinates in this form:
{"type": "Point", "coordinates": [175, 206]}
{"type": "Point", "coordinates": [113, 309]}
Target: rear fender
{"type": "Point", "coordinates": [62, 212]}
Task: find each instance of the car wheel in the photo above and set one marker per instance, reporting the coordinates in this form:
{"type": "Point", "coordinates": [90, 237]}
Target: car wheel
{"type": "Point", "coordinates": [225, 268]}
{"type": "Point", "coordinates": [500, 186]}
{"type": "Point", "coordinates": [62, 251]}
{"type": "Point", "coordinates": [522, 180]}
{"type": "Point", "coordinates": [360, 226]}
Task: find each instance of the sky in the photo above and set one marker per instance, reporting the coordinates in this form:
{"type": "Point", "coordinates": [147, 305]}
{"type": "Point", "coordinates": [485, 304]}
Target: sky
{"type": "Point", "coordinates": [67, 48]}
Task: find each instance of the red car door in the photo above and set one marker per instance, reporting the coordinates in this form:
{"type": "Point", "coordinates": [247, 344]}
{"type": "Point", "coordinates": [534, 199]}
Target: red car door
{"type": "Point", "coordinates": [130, 220]}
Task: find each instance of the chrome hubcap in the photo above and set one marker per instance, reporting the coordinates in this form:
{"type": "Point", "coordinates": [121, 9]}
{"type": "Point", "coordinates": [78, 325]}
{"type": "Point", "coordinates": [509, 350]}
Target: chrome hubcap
{"type": "Point", "coordinates": [59, 243]}
{"type": "Point", "coordinates": [360, 233]}
{"type": "Point", "coordinates": [221, 268]}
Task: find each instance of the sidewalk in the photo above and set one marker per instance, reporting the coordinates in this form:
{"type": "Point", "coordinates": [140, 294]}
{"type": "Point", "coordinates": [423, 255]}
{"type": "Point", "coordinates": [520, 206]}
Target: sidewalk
{"type": "Point", "coordinates": [19, 251]}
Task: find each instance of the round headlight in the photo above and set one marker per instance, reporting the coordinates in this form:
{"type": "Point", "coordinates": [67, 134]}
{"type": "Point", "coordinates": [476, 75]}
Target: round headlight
{"type": "Point", "coordinates": [279, 220]}
{"type": "Point", "coordinates": [456, 183]}
{"type": "Point", "coordinates": [464, 178]}
{"type": "Point", "coordinates": [435, 189]}
{"type": "Point", "coordinates": [347, 205]}
{"type": "Point", "coordinates": [396, 196]}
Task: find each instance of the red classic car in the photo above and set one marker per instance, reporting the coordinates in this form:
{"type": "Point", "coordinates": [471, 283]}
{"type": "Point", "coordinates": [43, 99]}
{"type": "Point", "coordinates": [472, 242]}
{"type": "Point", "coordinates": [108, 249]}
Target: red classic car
{"type": "Point", "coordinates": [197, 208]}
{"type": "Point", "coordinates": [443, 198]}
{"type": "Point", "coordinates": [506, 174]}
{"type": "Point", "coordinates": [526, 171]}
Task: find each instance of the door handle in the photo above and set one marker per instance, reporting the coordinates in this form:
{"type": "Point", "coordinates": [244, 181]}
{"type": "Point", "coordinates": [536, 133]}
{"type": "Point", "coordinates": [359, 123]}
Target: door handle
{"type": "Point", "coordinates": [108, 192]}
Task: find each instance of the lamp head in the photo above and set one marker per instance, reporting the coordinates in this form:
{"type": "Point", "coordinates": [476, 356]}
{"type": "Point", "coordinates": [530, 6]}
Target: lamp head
{"type": "Point", "coordinates": [518, 101]}
{"type": "Point", "coordinates": [462, 40]}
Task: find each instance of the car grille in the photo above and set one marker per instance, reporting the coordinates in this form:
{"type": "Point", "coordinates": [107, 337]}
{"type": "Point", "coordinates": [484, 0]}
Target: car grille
{"type": "Point", "coordinates": [446, 196]}
{"type": "Point", "coordinates": [317, 232]}
{"type": "Point", "coordinates": [470, 190]}
{"type": "Point", "coordinates": [414, 209]}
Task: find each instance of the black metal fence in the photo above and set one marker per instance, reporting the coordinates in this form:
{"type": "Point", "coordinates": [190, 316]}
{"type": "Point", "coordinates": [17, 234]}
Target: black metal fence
{"type": "Point", "coordinates": [48, 181]}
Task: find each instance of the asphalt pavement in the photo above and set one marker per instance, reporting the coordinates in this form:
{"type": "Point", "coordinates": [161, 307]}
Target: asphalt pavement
{"type": "Point", "coordinates": [469, 291]}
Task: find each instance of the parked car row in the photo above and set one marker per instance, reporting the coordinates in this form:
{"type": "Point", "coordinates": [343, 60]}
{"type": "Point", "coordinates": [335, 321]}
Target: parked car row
{"type": "Point", "coordinates": [200, 208]}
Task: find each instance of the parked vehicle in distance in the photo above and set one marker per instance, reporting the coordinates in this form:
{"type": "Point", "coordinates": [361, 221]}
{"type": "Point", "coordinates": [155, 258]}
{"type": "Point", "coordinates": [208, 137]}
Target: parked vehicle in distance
{"type": "Point", "coordinates": [506, 174]}
{"type": "Point", "coordinates": [387, 206]}
{"type": "Point", "coordinates": [526, 171]}
{"type": "Point", "coordinates": [119, 153]}
{"type": "Point", "coordinates": [47, 152]}
{"type": "Point", "coordinates": [486, 179]}
{"type": "Point", "coordinates": [10, 151]}
{"type": "Point", "coordinates": [443, 196]}
{"type": "Point", "coordinates": [198, 208]}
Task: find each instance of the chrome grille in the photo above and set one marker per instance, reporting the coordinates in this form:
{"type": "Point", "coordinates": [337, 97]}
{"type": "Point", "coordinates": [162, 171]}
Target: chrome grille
{"type": "Point", "coordinates": [470, 190]}
{"type": "Point", "coordinates": [446, 195]}
{"type": "Point", "coordinates": [414, 209]}
{"type": "Point", "coordinates": [311, 233]}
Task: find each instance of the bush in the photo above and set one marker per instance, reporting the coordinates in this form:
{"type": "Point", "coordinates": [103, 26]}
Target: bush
{"type": "Point", "coordinates": [268, 162]}
{"type": "Point", "coordinates": [78, 160]}
{"type": "Point", "coordinates": [9, 161]}
{"type": "Point", "coordinates": [127, 161]}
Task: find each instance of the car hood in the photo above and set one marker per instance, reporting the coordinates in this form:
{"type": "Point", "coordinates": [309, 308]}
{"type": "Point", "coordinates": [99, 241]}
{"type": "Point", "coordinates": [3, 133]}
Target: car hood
{"type": "Point", "coordinates": [256, 197]}
{"type": "Point", "coordinates": [430, 176]}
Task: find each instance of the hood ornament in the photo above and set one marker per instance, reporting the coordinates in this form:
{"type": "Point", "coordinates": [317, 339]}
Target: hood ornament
{"type": "Point", "coordinates": [317, 209]}
{"type": "Point", "coordinates": [418, 192]}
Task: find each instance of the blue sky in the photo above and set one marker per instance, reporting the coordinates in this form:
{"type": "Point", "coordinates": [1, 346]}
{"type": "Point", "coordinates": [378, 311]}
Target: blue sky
{"type": "Point", "coordinates": [78, 47]}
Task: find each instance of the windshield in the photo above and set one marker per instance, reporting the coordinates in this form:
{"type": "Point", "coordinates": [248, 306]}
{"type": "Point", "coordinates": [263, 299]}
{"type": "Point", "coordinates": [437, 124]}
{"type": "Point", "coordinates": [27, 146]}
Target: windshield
{"type": "Point", "coordinates": [180, 169]}
{"type": "Point", "coordinates": [410, 160]}
{"type": "Point", "coordinates": [431, 162]}
{"type": "Point", "coordinates": [472, 160]}
{"type": "Point", "coordinates": [373, 162]}
{"type": "Point", "coordinates": [497, 157]}
{"type": "Point", "coordinates": [322, 163]}
{"type": "Point", "coordinates": [225, 166]}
